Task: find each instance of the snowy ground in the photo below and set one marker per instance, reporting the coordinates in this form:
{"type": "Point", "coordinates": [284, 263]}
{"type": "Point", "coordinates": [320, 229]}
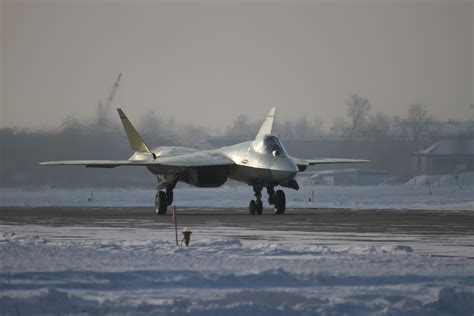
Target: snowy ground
{"type": "Point", "coordinates": [96, 270]}
{"type": "Point", "coordinates": [237, 270]}
{"type": "Point", "coordinates": [442, 197]}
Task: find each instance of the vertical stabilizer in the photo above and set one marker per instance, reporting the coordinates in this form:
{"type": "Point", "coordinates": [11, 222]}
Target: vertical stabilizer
{"type": "Point", "coordinates": [134, 138]}
{"type": "Point", "coordinates": [267, 125]}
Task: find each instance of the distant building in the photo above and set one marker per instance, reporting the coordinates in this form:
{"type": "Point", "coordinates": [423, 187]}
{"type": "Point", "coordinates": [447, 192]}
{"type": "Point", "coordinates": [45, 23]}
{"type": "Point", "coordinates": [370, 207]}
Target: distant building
{"type": "Point", "coordinates": [451, 129]}
{"type": "Point", "coordinates": [445, 157]}
{"type": "Point", "coordinates": [348, 177]}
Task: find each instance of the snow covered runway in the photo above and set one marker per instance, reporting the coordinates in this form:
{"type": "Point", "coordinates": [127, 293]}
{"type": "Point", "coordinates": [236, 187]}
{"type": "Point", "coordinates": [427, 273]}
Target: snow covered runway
{"type": "Point", "coordinates": [133, 267]}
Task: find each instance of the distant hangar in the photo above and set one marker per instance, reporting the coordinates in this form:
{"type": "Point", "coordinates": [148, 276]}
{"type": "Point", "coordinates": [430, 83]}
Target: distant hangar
{"type": "Point", "coordinates": [445, 156]}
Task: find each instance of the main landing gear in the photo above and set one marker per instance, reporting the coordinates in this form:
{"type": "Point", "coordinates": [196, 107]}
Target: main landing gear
{"type": "Point", "coordinates": [277, 199]}
{"type": "Point", "coordinates": [163, 200]}
{"type": "Point", "coordinates": [256, 206]}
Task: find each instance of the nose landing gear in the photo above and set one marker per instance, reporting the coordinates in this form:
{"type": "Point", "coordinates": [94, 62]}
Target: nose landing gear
{"type": "Point", "coordinates": [280, 202]}
{"type": "Point", "coordinates": [277, 199]}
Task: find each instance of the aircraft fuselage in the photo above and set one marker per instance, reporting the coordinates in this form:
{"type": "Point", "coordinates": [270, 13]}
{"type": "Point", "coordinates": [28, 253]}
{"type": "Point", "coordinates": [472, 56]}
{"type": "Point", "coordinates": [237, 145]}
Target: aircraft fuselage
{"type": "Point", "coordinates": [260, 163]}
{"type": "Point", "coordinates": [255, 163]}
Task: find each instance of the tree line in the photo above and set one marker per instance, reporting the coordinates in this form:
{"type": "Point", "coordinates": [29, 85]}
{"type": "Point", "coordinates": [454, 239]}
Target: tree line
{"type": "Point", "coordinates": [366, 135]}
{"type": "Point", "coordinates": [360, 122]}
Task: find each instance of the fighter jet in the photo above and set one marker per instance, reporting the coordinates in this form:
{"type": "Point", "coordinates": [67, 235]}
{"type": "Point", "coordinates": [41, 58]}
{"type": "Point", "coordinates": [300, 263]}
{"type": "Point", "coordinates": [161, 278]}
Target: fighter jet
{"type": "Point", "coordinates": [260, 163]}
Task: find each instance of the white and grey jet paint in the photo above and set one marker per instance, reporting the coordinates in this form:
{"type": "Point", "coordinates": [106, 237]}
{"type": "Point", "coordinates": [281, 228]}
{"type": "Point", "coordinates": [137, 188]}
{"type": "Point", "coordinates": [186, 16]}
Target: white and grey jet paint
{"type": "Point", "coordinates": [260, 163]}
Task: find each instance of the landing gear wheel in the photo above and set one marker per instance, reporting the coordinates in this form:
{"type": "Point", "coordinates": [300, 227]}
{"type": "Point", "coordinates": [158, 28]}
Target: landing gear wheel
{"type": "Point", "coordinates": [271, 199]}
{"type": "Point", "coordinates": [280, 202]}
{"type": "Point", "coordinates": [259, 207]}
{"type": "Point", "coordinates": [256, 205]}
{"type": "Point", "coordinates": [271, 195]}
{"type": "Point", "coordinates": [169, 197]}
{"type": "Point", "coordinates": [161, 203]}
{"type": "Point", "coordinates": [252, 207]}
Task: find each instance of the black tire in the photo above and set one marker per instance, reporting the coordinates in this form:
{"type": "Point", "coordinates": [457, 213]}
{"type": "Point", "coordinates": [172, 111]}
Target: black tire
{"type": "Point", "coordinates": [271, 199]}
{"type": "Point", "coordinates": [259, 207]}
{"type": "Point", "coordinates": [280, 202]}
{"type": "Point", "coordinates": [252, 207]}
{"type": "Point", "coordinates": [161, 203]}
{"type": "Point", "coordinates": [169, 197]}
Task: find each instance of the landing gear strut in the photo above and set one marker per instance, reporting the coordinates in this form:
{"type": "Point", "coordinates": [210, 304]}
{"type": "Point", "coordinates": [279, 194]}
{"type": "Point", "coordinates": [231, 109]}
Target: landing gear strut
{"type": "Point", "coordinates": [161, 203]}
{"type": "Point", "coordinates": [271, 195]}
{"type": "Point", "coordinates": [256, 206]}
{"type": "Point", "coordinates": [163, 200]}
{"type": "Point", "coordinates": [277, 199]}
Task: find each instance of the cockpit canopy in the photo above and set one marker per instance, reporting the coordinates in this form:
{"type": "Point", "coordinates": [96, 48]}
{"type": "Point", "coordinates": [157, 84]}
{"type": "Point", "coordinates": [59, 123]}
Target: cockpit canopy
{"type": "Point", "coordinates": [271, 144]}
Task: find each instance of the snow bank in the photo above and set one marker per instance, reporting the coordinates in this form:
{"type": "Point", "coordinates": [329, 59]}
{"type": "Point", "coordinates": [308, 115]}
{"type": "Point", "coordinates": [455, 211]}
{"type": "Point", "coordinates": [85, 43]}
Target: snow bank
{"type": "Point", "coordinates": [439, 197]}
{"type": "Point", "coordinates": [126, 272]}
{"type": "Point", "coordinates": [254, 302]}
{"type": "Point", "coordinates": [458, 179]}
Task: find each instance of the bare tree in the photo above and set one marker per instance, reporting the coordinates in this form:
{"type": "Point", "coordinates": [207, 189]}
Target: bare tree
{"type": "Point", "coordinates": [286, 129]}
{"type": "Point", "coordinates": [149, 123]}
{"type": "Point", "coordinates": [302, 128]}
{"type": "Point", "coordinates": [242, 127]}
{"type": "Point", "coordinates": [471, 120]}
{"type": "Point", "coordinates": [318, 127]}
{"type": "Point", "coordinates": [379, 126]}
{"type": "Point", "coordinates": [417, 121]}
{"type": "Point", "coordinates": [358, 109]}
{"type": "Point", "coordinates": [340, 127]}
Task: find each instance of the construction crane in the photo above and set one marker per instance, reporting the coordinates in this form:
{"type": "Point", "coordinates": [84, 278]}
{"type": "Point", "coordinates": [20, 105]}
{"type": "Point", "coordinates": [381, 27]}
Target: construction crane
{"type": "Point", "coordinates": [103, 109]}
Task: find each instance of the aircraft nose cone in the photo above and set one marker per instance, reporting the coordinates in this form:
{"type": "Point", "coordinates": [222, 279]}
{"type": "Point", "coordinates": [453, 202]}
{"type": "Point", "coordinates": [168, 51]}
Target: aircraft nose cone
{"type": "Point", "coordinates": [284, 164]}
{"type": "Point", "coordinates": [284, 168]}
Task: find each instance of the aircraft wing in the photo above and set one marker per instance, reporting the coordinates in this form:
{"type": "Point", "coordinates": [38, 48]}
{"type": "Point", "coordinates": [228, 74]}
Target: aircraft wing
{"type": "Point", "coordinates": [196, 159]}
{"type": "Point", "coordinates": [89, 163]}
{"type": "Point", "coordinates": [304, 163]}
{"type": "Point", "coordinates": [174, 163]}
{"type": "Point", "coordinates": [334, 160]}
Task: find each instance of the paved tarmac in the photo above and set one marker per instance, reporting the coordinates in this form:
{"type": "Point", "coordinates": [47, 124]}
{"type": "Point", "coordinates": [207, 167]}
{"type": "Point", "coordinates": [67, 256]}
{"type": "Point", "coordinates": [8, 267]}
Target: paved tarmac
{"type": "Point", "coordinates": [305, 220]}
{"type": "Point", "coordinates": [432, 233]}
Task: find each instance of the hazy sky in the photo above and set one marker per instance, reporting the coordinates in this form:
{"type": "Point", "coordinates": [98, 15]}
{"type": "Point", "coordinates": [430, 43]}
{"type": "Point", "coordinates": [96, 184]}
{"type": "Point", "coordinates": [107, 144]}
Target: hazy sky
{"type": "Point", "coordinates": [207, 62]}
